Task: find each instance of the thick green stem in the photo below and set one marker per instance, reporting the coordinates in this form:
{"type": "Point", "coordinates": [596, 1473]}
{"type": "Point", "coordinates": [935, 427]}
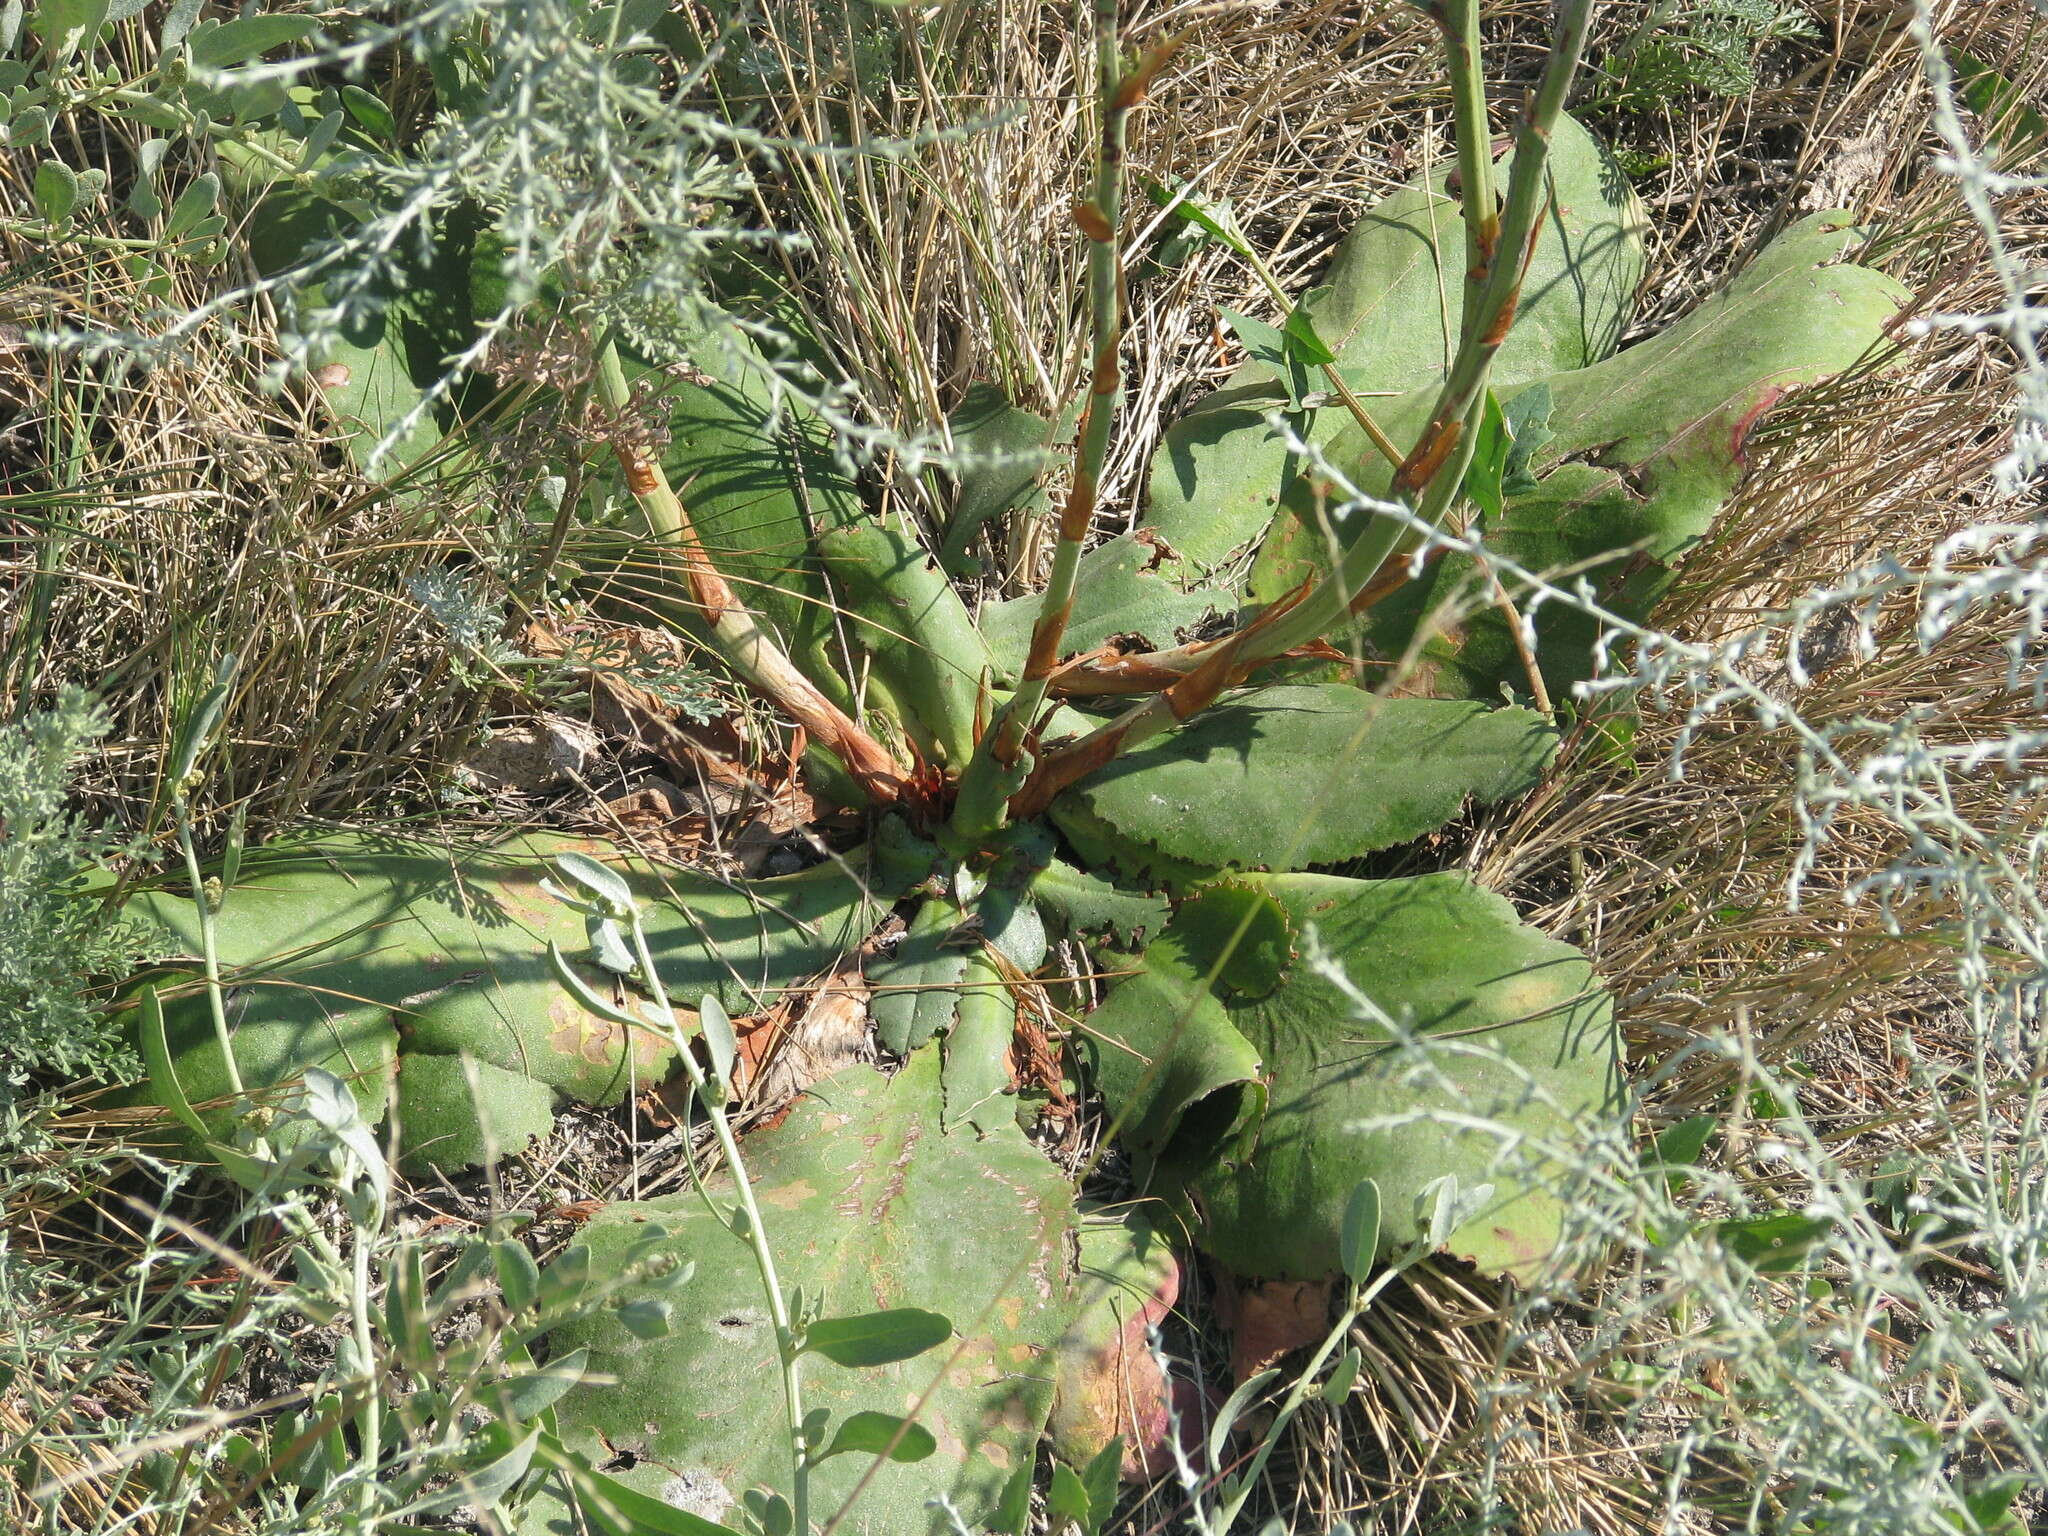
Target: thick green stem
{"type": "Point", "coordinates": [1460, 21]}
{"type": "Point", "coordinates": [988, 782]}
{"type": "Point", "coordinates": [1098, 219]}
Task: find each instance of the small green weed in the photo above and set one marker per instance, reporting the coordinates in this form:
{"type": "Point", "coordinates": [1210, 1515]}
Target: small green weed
{"type": "Point", "coordinates": [54, 937]}
{"type": "Point", "coordinates": [1683, 46]}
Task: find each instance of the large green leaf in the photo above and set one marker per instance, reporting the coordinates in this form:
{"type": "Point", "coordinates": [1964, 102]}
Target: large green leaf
{"type": "Point", "coordinates": [1537, 1054]}
{"type": "Point", "coordinates": [1167, 1060]}
{"type": "Point", "coordinates": [977, 1073]}
{"type": "Point", "coordinates": [868, 1206]}
{"type": "Point", "coordinates": [1011, 445]}
{"type": "Point", "coordinates": [328, 941]}
{"type": "Point", "coordinates": [455, 1113]}
{"type": "Point", "coordinates": [897, 606]}
{"type": "Point", "coordinates": [1646, 449]}
{"type": "Point", "coordinates": [396, 346]}
{"type": "Point", "coordinates": [1389, 308]}
{"type": "Point", "coordinates": [759, 481]}
{"type": "Point", "coordinates": [848, 597]}
{"type": "Point", "coordinates": [916, 986]}
{"type": "Point", "coordinates": [1087, 904]}
{"type": "Point", "coordinates": [1110, 1386]}
{"type": "Point", "coordinates": [277, 1035]}
{"type": "Point", "coordinates": [1290, 777]}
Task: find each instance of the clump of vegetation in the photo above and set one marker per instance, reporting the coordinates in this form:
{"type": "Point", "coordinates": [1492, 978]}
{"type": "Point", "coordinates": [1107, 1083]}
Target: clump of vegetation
{"type": "Point", "coordinates": [1140, 839]}
{"type": "Point", "coordinates": [1699, 45]}
{"type": "Point", "coordinates": [1189, 840]}
{"type": "Point", "coordinates": [58, 936]}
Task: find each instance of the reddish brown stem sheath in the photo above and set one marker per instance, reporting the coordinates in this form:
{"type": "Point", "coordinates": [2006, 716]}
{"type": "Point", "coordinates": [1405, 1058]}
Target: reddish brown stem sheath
{"type": "Point", "coordinates": [736, 633]}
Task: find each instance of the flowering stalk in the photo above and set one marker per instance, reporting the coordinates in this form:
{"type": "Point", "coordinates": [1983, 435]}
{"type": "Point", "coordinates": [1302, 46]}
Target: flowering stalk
{"type": "Point", "coordinates": [1429, 476]}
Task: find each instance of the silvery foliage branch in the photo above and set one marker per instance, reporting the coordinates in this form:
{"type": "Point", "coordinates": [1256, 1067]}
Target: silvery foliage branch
{"type": "Point", "coordinates": [2021, 321]}
{"type": "Point", "coordinates": [594, 174]}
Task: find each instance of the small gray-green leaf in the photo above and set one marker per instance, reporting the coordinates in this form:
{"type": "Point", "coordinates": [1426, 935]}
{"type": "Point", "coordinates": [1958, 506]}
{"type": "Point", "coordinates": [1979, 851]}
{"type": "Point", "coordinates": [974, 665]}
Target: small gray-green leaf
{"type": "Point", "coordinates": [178, 23]}
{"type": "Point", "coordinates": [881, 1434]}
{"type": "Point", "coordinates": [567, 974]}
{"type": "Point", "coordinates": [774, 1514]}
{"type": "Point", "coordinates": [608, 944]}
{"type": "Point", "coordinates": [602, 881]}
{"type": "Point", "coordinates": [370, 112]}
{"type": "Point", "coordinates": [565, 1280]}
{"type": "Point", "coordinates": [30, 126]}
{"type": "Point", "coordinates": [56, 191]}
{"type": "Point", "coordinates": [648, 1318]}
{"type": "Point", "coordinates": [1233, 1409]}
{"type": "Point", "coordinates": [718, 1036]}
{"type": "Point", "coordinates": [320, 138]}
{"type": "Point", "coordinates": [1342, 1377]}
{"type": "Point", "coordinates": [518, 1274]}
{"type": "Point", "coordinates": [486, 1485]}
{"type": "Point", "coordinates": [537, 1391]}
{"type": "Point", "coordinates": [249, 37]}
{"type": "Point", "coordinates": [877, 1338]}
{"type": "Point", "coordinates": [193, 204]}
{"type": "Point", "coordinates": [1361, 1231]}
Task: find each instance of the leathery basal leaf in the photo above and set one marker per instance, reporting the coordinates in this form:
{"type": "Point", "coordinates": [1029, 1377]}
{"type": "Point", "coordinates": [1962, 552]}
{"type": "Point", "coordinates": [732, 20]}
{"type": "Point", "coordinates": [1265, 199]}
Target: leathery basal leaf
{"type": "Point", "coordinates": [1390, 307]}
{"type": "Point", "coordinates": [1643, 451]}
{"type": "Point", "coordinates": [917, 987]}
{"type": "Point", "coordinates": [1527, 1042]}
{"type": "Point", "coordinates": [1180, 1079]}
{"type": "Point", "coordinates": [1291, 777]}
{"type": "Point", "coordinates": [337, 949]}
{"type": "Point", "coordinates": [978, 1075]}
{"type": "Point", "coordinates": [868, 1205]}
{"type": "Point", "coordinates": [1128, 586]}
{"type": "Point", "coordinates": [455, 1113]}
{"type": "Point", "coordinates": [1010, 448]}
{"type": "Point", "coordinates": [1110, 1387]}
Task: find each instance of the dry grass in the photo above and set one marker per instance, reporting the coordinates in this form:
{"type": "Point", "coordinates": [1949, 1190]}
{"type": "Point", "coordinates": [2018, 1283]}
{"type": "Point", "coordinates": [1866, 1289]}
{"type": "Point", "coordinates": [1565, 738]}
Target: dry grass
{"type": "Point", "coordinates": [164, 517]}
{"type": "Point", "coordinates": [213, 517]}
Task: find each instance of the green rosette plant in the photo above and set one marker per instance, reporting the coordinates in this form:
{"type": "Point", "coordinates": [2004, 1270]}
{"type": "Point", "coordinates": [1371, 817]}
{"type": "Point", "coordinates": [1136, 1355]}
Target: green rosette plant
{"type": "Point", "coordinates": [1280, 1030]}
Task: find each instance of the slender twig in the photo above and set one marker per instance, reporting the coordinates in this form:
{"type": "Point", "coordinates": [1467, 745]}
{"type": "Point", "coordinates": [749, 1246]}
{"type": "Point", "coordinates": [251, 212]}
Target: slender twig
{"type": "Point", "coordinates": [787, 1345]}
{"type": "Point", "coordinates": [737, 633]}
{"type": "Point", "coordinates": [1099, 218]}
